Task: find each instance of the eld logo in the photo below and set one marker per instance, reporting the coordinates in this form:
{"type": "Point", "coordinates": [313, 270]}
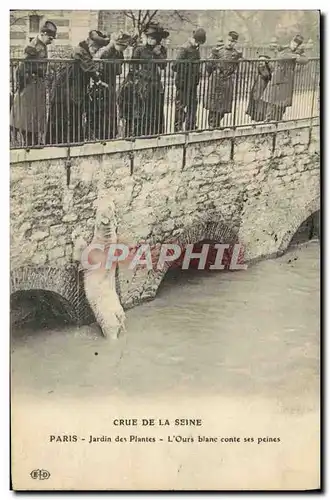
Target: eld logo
{"type": "Point", "coordinates": [40, 474]}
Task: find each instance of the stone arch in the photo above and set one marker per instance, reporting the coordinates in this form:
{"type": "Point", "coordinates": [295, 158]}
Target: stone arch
{"type": "Point", "coordinates": [216, 230]}
{"type": "Point", "coordinates": [219, 230]}
{"type": "Point", "coordinates": [295, 221]}
{"type": "Point", "coordinates": [64, 282]}
{"type": "Point", "coordinates": [42, 303]}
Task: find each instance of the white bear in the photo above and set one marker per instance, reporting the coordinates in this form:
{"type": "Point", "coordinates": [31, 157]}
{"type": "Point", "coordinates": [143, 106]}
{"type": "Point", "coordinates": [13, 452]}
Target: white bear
{"type": "Point", "coordinates": [100, 284]}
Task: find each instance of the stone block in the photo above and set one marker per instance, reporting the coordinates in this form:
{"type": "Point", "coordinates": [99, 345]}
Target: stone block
{"type": "Point", "coordinates": [39, 235]}
{"type": "Point", "coordinates": [55, 253]}
{"type": "Point", "coordinates": [62, 261]}
{"type": "Point", "coordinates": [314, 147]}
{"type": "Point", "coordinates": [39, 259]}
{"type": "Point", "coordinates": [68, 249]}
{"type": "Point", "coordinates": [70, 218]}
{"type": "Point", "coordinates": [315, 134]}
{"type": "Point", "coordinates": [278, 181]}
{"type": "Point", "coordinates": [300, 148]}
{"type": "Point", "coordinates": [57, 230]}
{"type": "Point", "coordinates": [244, 152]}
{"type": "Point", "coordinates": [299, 136]}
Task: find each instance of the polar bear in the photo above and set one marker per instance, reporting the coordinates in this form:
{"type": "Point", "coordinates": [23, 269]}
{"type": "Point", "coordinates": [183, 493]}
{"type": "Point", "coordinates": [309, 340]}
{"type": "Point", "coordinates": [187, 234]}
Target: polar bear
{"type": "Point", "coordinates": [101, 294]}
{"type": "Point", "coordinates": [100, 283]}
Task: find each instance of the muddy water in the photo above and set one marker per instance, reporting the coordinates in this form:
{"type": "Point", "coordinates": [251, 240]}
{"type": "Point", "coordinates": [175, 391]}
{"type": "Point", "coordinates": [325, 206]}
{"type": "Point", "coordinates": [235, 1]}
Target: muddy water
{"type": "Point", "coordinates": [244, 333]}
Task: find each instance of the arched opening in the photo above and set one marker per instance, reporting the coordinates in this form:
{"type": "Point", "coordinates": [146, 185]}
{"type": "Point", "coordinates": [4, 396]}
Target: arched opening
{"type": "Point", "coordinates": [39, 309]}
{"type": "Point", "coordinates": [308, 230]}
{"type": "Point", "coordinates": [177, 274]}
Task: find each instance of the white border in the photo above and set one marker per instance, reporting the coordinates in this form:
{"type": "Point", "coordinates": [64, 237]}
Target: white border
{"type": "Point", "coordinates": [4, 184]}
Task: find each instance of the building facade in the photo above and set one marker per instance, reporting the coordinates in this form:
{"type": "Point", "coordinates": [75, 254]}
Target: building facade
{"type": "Point", "coordinates": [72, 27]}
{"type": "Point", "coordinates": [256, 29]}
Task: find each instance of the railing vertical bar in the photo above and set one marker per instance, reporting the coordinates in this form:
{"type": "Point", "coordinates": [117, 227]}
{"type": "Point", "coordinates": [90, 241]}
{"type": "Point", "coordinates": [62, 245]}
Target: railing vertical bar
{"type": "Point", "coordinates": [237, 72]}
{"type": "Point", "coordinates": [201, 93]}
{"type": "Point", "coordinates": [133, 127]}
{"type": "Point", "coordinates": [313, 94]}
{"type": "Point", "coordinates": [14, 97]}
{"type": "Point", "coordinates": [80, 110]}
{"type": "Point", "coordinates": [26, 66]}
{"type": "Point", "coordinates": [306, 71]}
{"type": "Point", "coordinates": [51, 84]}
{"type": "Point", "coordinates": [69, 118]}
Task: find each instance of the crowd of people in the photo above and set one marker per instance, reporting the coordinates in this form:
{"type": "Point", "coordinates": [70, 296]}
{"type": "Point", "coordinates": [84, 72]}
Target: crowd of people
{"type": "Point", "coordinates": [82, 100]}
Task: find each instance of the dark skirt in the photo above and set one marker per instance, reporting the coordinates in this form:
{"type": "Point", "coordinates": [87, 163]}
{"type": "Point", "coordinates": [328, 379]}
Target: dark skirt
{"type": "Point", "coordinates": [141, 104]}
{"type": "Point", "coordinates": [152, 122]}
{"type": "Point", "coordinates": [101, 114]}
{"type": "Point", "coordinates": [66, 124]}
{"type": "Point", "coordinates": [275, 112]}
{"type": "Point", "coordinates": [257, 110]}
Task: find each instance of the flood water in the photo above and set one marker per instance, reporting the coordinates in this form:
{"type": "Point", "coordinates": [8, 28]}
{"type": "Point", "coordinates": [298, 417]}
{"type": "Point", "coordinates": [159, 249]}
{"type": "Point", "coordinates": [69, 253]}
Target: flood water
{"type": "Point", "coordinates": [238, 334]}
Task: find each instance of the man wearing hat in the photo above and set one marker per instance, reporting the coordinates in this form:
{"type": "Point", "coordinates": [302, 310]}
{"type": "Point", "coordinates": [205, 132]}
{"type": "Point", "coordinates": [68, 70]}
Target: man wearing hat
{"type": "Point", "coordinates": [28, 113]}
{"type": "Point", "coordinates": [105, 98]}
{"type": "Point", "coordinates": [141, 100]}
{"type": "Point", "coordinates": [71, 99]}
{"type": "Point", "coordinates": [221, 69]}
{"type": "Point", "coordinates": [279, 91]}
{"type": "Point", "coordinates": [187, 69]}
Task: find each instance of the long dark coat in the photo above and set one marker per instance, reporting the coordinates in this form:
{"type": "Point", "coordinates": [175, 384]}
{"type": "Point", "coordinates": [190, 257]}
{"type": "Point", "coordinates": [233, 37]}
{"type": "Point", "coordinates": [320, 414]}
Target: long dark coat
{"type": "Point", "coordinates": [70, 98]}
{"type": "Point", "coordinates": [187, 68]}
{"type": "Point", "coordinates": [104, 100]}
{"type": "Point", "coordinates": [257, 109]}
{"type": "Point", "coordinates": [220, 92]}
{"type": "Point", "coordinates": [143, 106]}
{"type": "Point", "coordinates": [29, 112]}
{"type": "Point", "coordinates": [279, 91]}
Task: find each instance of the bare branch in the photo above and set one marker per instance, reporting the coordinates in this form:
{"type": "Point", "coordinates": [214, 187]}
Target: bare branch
{"type": "Point", "coordinates": [129, 14]}
{"type": "Point", "coordinates": [141, 19]}
{"type": "Point", "coordinates": [182, 17]}
{"type": "Point", "coordinates": [15, 20]}
{"type": "Point", "coordinates": [144, 18]}
{"type": "Point", "coordinates": [151, 17]}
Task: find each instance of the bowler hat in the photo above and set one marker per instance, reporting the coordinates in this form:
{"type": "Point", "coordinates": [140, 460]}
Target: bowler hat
{"type": "Point", "coordinates": [99, 38]}
{"type": "Point", "coordinates": [298, 39]}
{"type": "Point", "coordinates": [50, 28]}
{"type": "Point", "coordinates": [200, 35]}
{"type": "Point", "coordinates": [233, 35]}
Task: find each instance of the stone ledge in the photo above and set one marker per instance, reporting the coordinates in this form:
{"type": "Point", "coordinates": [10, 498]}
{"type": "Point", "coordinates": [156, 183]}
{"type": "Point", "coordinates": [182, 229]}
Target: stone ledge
{"type": "Point", "coordinates": [124, 146]}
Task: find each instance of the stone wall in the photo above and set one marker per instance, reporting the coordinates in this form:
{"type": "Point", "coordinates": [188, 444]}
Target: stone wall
{"type": "Point", "coordinates": [259, 183]}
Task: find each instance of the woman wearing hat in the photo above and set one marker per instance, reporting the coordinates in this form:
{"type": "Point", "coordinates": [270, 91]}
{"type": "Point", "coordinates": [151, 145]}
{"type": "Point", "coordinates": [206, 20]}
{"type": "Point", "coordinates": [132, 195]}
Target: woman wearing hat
{"type": "Point", "coordinates": [257, 109]}
{"type": "Point", "coordinates": [112, 57]}
{"type": "Point", "coordinates": [144, 113]}
{"type": "Point", "coordinates": [28, 117]}
{"type": "Point", "coordinates": [279, 91]}
{"type": "Point", "coordinates": [71, 97]}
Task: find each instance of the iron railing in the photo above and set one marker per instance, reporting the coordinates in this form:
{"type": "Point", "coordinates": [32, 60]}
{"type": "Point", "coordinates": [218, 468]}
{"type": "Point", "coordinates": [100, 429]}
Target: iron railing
{"type": "Point", "coordinates": [248, 51]}
{"type": "Point", "coordinates": [55, 102]}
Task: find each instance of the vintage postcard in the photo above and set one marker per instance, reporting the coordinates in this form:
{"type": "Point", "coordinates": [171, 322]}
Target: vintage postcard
{"type": "Point", "coordinates": [165, 255]}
